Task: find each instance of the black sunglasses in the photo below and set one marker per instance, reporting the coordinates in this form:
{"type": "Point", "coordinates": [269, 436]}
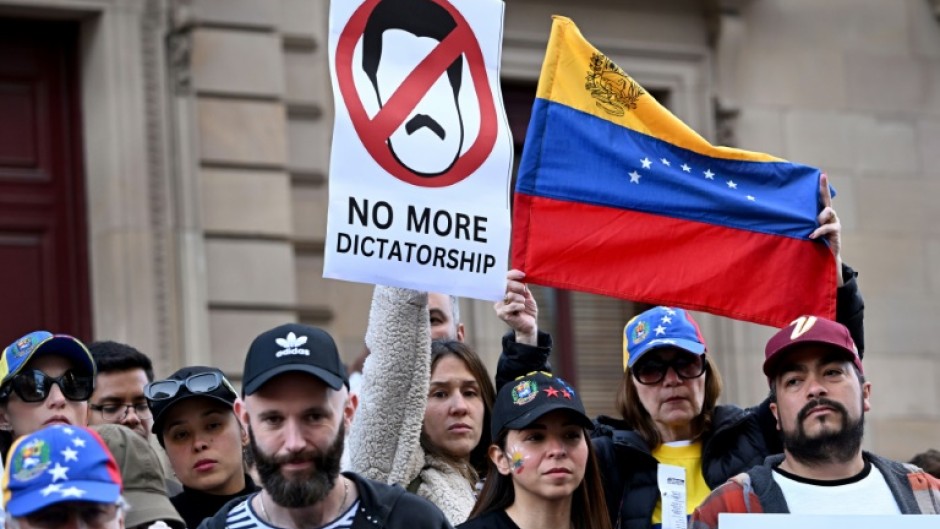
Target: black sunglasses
{"type": "Point", "coordinates": [32, 385]}
{"type": "Point", "coordinates": [198, 383]}
{"type": "Point", "coordinates": [653, 371]}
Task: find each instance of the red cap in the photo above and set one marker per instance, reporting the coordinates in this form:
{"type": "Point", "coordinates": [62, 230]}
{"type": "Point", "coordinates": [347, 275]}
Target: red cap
{"type": "Point", "coordinates": [809, 330]}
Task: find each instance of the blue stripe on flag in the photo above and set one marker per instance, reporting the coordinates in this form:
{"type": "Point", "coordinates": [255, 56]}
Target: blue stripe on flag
{"type": "Point", "coordinates": [626, 169]}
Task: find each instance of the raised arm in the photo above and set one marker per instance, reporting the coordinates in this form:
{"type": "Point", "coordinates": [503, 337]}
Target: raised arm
{"type": "Point", "coordinates": [525, 348]}
{"type": "Point", "coordinates": [385, 439]}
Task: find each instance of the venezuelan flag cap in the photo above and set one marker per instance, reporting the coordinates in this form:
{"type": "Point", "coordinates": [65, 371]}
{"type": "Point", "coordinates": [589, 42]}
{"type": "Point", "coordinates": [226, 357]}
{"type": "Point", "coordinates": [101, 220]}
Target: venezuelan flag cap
{"type": "Point", "coordinates": [18, 354]}
{"type": "Point", "coordinates": [59, 464]}
{"type": "Point", "coordinates": [657, 328]}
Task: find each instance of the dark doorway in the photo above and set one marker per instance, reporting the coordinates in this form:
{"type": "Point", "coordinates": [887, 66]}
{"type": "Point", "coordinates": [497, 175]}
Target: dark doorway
{"type": "Point", "coordinates": [44, 281]}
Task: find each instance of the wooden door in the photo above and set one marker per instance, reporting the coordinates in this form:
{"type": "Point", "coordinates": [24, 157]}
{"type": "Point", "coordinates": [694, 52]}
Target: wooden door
{"type": "Point", "coordinates": [44, 281]}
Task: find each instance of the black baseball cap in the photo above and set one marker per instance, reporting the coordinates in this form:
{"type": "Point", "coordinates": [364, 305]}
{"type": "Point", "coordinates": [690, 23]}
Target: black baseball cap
{"type": "Point", "coordinates": [293, 347]}
{"type": "Point", "coordinates": [521, 402]}
{"type": "Point", "coordinates": [187, 383]}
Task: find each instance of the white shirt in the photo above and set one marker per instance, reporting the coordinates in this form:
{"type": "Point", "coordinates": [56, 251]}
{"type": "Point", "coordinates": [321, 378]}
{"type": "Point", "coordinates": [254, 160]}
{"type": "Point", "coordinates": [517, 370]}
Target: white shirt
{"type": "Point", "coordinates": [866, 493]}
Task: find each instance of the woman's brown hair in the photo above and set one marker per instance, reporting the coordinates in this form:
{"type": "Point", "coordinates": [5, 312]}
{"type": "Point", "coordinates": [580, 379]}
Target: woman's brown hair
{"type": "Point", "coordinates": [588, 506]}
{"type": "Point", "coordinates": [444, 348]}
{"type": "Point", "coordinates": [638, 418]}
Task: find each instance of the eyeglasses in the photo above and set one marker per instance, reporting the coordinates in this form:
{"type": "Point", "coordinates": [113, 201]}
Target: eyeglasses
{"type": "Point", "coordinates": [653, 371]}
{"type": "Point", "coordinates": [116, 412]}
{"type": "Point", "coordinates": [92, 515]}
{"type": "Point", "coordinates": [32, 385]}
{"type": "Point", "coordinates": [198, 383]}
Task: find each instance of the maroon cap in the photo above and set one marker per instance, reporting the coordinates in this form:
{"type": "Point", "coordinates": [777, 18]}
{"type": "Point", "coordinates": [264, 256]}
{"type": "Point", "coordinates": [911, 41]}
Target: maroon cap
{"type": "Point", "coordinates": [809, 330]}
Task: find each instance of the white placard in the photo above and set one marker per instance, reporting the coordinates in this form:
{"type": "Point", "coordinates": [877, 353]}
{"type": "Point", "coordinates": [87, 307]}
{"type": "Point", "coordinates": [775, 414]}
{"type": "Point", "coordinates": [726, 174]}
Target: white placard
{"type": "Point", "coordinates": [826, 521]}
{"type": "Point", "coordinates": [422, 153]}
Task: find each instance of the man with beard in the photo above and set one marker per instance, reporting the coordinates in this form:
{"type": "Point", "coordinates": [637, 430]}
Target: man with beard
{"type": "Point", "coordinates": [819, 396]}
{"type": "Point", "coordinates": [296, 405]}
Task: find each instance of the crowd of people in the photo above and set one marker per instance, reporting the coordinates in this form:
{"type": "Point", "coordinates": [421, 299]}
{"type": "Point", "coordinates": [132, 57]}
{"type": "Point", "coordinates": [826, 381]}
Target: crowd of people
{"type": "Point", "coordinates": [427, 438]}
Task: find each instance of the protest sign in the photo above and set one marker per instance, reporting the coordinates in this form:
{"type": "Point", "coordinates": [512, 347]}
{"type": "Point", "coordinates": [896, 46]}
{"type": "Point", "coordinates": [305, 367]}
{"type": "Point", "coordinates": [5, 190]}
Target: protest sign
{"type": "Point", "coordinates": [421, 155]}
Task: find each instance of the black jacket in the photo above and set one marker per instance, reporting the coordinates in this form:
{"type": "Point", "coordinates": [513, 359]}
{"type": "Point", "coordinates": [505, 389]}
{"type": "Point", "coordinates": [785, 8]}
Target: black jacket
{"type": "Point", "coordinates": [738, 440]}
{"type": "Point", "coordinates": [381, 506]}
{"type": "Point", "coordinates": [195, 505]}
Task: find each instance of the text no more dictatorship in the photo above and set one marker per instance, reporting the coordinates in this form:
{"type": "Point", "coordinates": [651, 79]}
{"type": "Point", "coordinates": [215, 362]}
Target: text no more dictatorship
{"type": "Point", "coordinates": [441, 223]}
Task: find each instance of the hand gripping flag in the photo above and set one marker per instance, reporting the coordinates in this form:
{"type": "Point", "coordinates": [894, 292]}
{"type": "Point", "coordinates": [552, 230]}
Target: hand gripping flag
{"type": "Point", "coordinates": [617, 196]}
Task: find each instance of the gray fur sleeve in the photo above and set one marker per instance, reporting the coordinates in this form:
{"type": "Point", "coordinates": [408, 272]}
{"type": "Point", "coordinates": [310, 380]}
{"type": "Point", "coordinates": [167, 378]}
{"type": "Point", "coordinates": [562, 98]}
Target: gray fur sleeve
{"type": "Point", "coordinates": [385, 438]}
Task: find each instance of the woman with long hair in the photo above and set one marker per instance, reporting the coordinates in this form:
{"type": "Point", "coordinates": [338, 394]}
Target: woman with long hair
{"type": "Point", "coordinates": [671, 424]}
{"type": "Point", "coordinates": [424, 408]}
{"type": "Point", "coordinates": [542, 470]}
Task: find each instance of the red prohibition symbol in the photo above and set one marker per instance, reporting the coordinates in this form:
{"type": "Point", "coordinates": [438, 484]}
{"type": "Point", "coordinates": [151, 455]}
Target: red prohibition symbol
{"type": "Point", "coordinates": [376, 131]}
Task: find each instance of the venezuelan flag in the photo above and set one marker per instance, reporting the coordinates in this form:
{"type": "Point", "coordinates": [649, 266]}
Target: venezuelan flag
{"type": "Point", "coordinates": [617, 196]}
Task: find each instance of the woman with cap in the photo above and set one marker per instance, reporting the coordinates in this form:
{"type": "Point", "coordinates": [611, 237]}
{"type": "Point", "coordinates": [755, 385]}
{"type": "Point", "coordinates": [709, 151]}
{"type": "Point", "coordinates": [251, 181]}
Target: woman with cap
{"type": "Point", "coordinates": [45, 379]}
{"type": "Point", "coordinates": [194, 420]}
{"type": "Point", "coordinates": [144, 481]}
{"type": "Point", "coordinates": [423, 416]}
{"type": "Point", "coordinates": [542, 471]}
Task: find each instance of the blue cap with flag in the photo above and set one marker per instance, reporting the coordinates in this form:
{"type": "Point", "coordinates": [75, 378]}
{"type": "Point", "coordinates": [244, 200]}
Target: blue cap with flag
{"type": "Point", "coordinates": [59, 464]}
{"type": "Point", "coordinates": [657, 328]}
{"type": "Point", "coordinates": [18, 353]}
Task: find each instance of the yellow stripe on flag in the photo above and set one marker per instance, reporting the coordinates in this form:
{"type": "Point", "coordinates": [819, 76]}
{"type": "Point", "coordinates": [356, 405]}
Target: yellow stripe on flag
{"type": "Point", "coordinates": [579, 76]}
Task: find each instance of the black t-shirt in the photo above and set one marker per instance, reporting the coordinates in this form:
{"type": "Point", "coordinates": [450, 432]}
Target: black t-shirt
{"type": "Point", "coordinates": [196, 505]}
{"type": "Point", "coordinates": [490, 520]}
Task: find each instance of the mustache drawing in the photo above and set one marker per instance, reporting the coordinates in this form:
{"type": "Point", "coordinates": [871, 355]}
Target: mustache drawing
{"type": "Point", "coordinates": [424, 120]}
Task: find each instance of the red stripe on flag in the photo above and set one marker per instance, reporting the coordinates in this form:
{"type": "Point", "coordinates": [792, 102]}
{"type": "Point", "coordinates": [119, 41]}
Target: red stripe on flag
{"type": "Point", "coordinates": [767, 279]}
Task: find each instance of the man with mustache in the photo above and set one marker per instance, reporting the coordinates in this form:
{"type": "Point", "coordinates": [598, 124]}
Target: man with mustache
{"type": "Point", "coordinates": [296, 405]}
{"type": "Point", "coordinates": [819, 396]}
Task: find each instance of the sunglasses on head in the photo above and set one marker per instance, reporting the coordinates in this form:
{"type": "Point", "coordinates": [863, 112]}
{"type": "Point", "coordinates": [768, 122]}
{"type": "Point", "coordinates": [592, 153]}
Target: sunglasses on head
{"type": "Point", "coordinates": [198, 383]}
{"type": "Point", "coordinates": [653, 371]}
{"type": "Point", "coordinates": [32, 385]}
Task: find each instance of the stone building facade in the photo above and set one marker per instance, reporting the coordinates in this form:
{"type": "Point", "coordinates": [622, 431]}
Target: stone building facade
{"type": "Point", "coordinates": [205, 135]}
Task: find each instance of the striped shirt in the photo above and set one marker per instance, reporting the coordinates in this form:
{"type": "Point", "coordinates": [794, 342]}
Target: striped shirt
{"type": "Point", "coordinates": [243, 516]}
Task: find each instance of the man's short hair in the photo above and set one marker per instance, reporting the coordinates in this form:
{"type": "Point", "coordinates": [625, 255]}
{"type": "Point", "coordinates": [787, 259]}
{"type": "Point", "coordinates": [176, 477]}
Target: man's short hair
{"type": "Point", "coordinates": [113, 356]}
{"type": "Point", "coordinates": [929, 461]}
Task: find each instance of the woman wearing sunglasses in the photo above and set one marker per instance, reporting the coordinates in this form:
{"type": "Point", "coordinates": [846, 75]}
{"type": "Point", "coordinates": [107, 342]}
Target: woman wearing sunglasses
{"type": "Point", "coordinates": [542, 468]}
{"type": "Point", "coordinates": [44, 379]}
{"type": "Point", "coordinates": [203, 439]}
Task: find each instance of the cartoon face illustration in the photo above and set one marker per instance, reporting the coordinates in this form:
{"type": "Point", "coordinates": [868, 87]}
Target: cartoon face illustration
{"type": "Point", "coordinates": [398, 36]}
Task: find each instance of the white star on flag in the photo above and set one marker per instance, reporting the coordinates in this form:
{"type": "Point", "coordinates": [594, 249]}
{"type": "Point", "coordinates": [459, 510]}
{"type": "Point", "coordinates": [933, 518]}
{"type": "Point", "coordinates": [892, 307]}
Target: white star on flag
{"type": "Point", "coordinates": [72, 492]}
{"type": "Point", "coordinates": [55, 487]}
{"type": "Point", "coordinates": [58, 472]}
{"type": "Point", "coordinates": [646, 163]}
{"type": "Point", "coordinates": [78, 441]}
{"type": "Point", "coordinates": [709, 175]}
{"type": "Point", "coordinates": [686, 168]}
{"type": "Point", "coordinates": [68, 430]}
{"type": "Point", "coordinates": [634, 177]}
{"type": "Point", "coordinates": [665, 162]}
{"type": "Point", "coordinates": [660, 330]}
{"type": "Point", "coordinates": [666, 319]}
{"type": "Point", "coordinates": [751, 198]}
{"type": "Point", "coordinates": [670, 312]}
{"type": "Point", "coordinates": [732, 185]}
{"type": "Point", "coordinates": [69, 454]}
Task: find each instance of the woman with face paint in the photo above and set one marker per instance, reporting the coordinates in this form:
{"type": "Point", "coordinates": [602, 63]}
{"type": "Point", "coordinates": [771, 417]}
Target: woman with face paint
{"type": "Point", "coordinates": [542, 472]}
